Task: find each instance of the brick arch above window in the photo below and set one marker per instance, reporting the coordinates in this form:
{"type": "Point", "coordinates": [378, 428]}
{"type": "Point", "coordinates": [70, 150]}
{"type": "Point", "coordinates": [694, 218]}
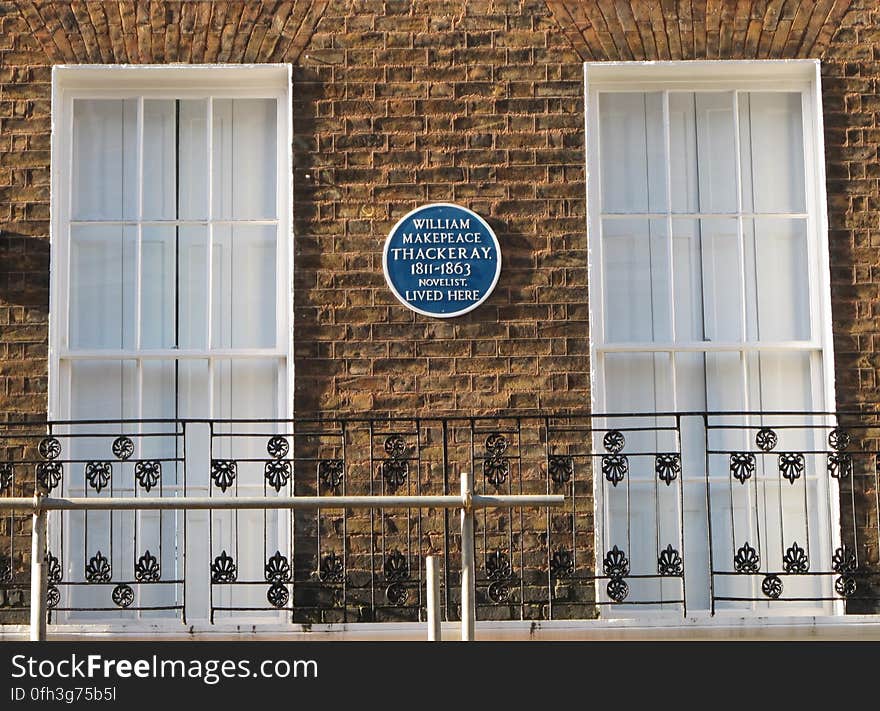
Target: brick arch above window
{"type": "Point", "coordinates": [165, 31]}
{"type": "Point", "coordinates": [706, 29]}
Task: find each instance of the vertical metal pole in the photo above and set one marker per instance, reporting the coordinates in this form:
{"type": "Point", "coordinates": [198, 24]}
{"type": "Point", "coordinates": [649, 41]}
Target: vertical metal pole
{"type": "Point", "coordinates": [468, 591]}
{"type": "Point", "coordinates": [432, 578]}
{"type": "Point", "coordinates": [38, 573]}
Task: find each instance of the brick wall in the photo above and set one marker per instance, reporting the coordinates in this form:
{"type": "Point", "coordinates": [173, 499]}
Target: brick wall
{"type": "Point", "coordinates": [479, 103]}
{"type": "Point", "coordinates": [851, 105]}
{"type": "Point", "coordinates": [399, 103]}
{"type": "Point", "coordinates": [396, 103]}
{"type": "Point", "coordinates": [24, 211]}
{"type": "Point", "coordinates": [852, 137]}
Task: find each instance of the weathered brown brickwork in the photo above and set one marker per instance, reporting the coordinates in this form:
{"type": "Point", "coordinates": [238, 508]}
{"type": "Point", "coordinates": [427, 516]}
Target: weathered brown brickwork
{"type": "Point", "coordinates": [399, 103]}
{"type": "Point", "coordinates": [479, 103]}
{"type": "Point", "coordinates": [851, 106]}
{"type": "Point", "coordinates": [24, 204]}
{"type": "Point", "coordinates": [852, 136]}
{"type": "Point", "coordinates": [703, 29]}
{"type": "Point", "coordinates": [396, 103]}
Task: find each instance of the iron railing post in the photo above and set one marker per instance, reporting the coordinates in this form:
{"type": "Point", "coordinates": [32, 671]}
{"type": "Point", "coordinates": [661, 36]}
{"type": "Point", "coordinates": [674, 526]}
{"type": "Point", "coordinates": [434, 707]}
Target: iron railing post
{"type": "Point", "coordinates": [468, 588]}
{"type": "Point", "coordinates": [39, 587]}
{"type": "Point", "coordinates": [432, 578]}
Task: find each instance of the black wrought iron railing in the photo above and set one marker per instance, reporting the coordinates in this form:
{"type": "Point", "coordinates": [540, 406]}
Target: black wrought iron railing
{"type": "Point", "coordinates": [669, 512]}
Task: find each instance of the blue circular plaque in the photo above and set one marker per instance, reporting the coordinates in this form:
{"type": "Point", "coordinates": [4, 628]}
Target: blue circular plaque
{"type": "Point", "coordinates": [442, 260]}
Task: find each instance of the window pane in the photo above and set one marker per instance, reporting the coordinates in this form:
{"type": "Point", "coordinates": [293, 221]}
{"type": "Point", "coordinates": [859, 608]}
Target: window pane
{"type": "Point", "coordinates": [102, 286]}
{"type": "Point", "coordinates": [708, 289]}
{"type": "Point", "coordinates": [683, 152]}
{"type": "Point", "coordinates": [246, 389]}
{"type": "Point", "coordinates": [734, 278]}
{"type": "Point", "coordinates": [193, 163]}
{"type": "Point", "coordinates": [158, 401]}
{"type": "Point", "coordinates": [174, 286]}
{"type": "Point", "coordinates": [702, 152]}
{"type": "Point", "coordinates": [634, 254]}
{"type": "Point", "coordinates": [175, 149]}
{"type": "Point", "coordinates": [688, 280]}
{"type": "Point", "coordinates": [724, 381]}
{"type": "Point", "coordinates": [722, 283]}
{"type": "Point", "coordinates": [160, 159]}
{"type": "Point", "coordinates": [783, 278]}
{"type": "Point", "coordinates": [192, 287]}
{"type": "Point", "coordinates": [638, 382]}
{"type": "Point", "coordinates": [157, 286]}
{"type": "Point", "coordinates": [772, 145]}
{"type": "Point", "coordinates": [104, 184]}
{"type": "Point", "coordinates": [103, 389]}
{"type": "Point", "coordinates": [632, 152]}
{"type": "Point", "coordinates": [716, 151]}
{"type": "Point", "coordinates": [783, 381]}
{"type": "Point", "coordinates": [244, 286]}
{"type": "Point", "coordinates": [244, 158]}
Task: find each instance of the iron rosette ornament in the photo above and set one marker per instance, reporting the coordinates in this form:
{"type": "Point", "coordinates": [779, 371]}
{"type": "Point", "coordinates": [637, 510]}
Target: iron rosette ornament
{"type": "Point", "coordinates": [496, 467]}
{"type": "Point", "coordinates": [395, 468]}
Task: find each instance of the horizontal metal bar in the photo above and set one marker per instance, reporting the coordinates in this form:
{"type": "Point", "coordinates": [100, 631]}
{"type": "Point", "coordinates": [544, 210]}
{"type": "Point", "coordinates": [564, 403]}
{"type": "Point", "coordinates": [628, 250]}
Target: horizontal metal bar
{"type": "Point", "coordinates": [154, 608]}
{"type": "Point", "coordinates": [89, 584]}
{"type": "Point", "coordinates": [305, 433]}
{"type": "Point", "coordinates": [806, 576]}
{"type": "Point", "coordinates": [93, 435]}
{"type": "Point", "coordinates": [597, 455]}
{"type": "Point", "coordinates": [194, 503]}
{"type": "Point", "coordinates": [758, 453]}
{"type": "Point", "coordinates": [522, 416]}
{"type": "Point", "coordinates": [572, 428]}
{"type": "Point", "coordinates": [624, 603]}
{"type": "Point", "coordinates": [794, 599]}
{"type": "Point", "coordinates": [289, 608]}
{"type": "Point", "coordinates": [99, 460]}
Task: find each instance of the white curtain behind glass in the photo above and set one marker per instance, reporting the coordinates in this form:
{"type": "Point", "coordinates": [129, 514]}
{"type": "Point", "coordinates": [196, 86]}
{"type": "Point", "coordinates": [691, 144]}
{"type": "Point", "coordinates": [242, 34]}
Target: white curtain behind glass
{"type": "Point", "coordinates": [728, 213]}
{"type": "Point", "coordinates": [165, 223]}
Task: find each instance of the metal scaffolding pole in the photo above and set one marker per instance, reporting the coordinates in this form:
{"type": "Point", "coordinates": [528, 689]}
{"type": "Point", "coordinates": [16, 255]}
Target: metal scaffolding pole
{"type": "Point", "coordinates": [40, 505]}
{"type": "Point", "coordinates": [432, 579]}
{"type": "Point", "coordinates": [39, 586]}
{"type": "Point", "coordinates": [468, 588]}
{"type": "Point", "coordinates": [194, 503]}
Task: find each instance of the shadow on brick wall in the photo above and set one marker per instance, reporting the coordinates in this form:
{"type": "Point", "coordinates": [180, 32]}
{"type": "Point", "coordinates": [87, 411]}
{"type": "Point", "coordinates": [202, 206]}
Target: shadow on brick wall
{"type": "Point", "coordinates": [24, 323]}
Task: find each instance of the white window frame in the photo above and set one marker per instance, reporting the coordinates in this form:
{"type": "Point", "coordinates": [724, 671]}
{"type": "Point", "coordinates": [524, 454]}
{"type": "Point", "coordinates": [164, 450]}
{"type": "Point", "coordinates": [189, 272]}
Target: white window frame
{"type": "Point", "coordinates": [802, 75]}
{"type": "Point", "coordinates": [714, 75]}
{"type": "Point", "coordinates": [114, 81]}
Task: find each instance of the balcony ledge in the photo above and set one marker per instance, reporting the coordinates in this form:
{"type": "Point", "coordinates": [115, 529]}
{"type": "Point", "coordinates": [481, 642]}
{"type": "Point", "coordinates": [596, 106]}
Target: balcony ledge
{"type": "Point", "coordinates": [729, 628]}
